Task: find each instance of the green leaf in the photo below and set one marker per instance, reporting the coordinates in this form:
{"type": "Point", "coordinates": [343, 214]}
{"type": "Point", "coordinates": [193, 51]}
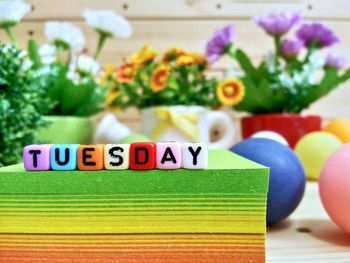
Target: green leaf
{"type": "Point", "coordinates": [246, 65]}
{"type": "Point", "coordinates": [261, 98]}
{"type": "Point", "coordinates": [75, 95]}
{"type": "Point", "coordinates": [55, 90]}
{"type": "Point", "coordinates": [345, 76]}
{"type": "Point", "coordinates": [250, 102]}
{"type": "Point", "coordinates": [329, 81]}
{"type": "Point", "coordinates": [93, 104]}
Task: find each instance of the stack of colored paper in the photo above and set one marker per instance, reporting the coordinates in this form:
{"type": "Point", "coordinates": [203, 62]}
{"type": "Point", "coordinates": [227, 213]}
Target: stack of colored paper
{"type": "Point", "coordinates": [216, 214]}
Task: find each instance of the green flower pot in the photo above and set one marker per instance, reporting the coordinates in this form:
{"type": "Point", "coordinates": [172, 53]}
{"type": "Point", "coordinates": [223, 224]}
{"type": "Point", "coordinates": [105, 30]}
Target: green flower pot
{"type": "Point", "coordinates": [67, 129]}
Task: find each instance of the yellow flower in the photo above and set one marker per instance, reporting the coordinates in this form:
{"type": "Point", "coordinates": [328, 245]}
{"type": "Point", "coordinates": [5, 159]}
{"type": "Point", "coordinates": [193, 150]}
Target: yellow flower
{"type": "Point", "coordinates": [185, 60]}
{"type": "Point", "coordinates": [146, 55]}
{"type": "Point", "coordinates": [198, 58]}
{"type": "Point", "coordinates": [112, 94]}
{"type": "Point", "coordinates": [230, 92]}
{"type": "Point", "coordinates": [173, 53]}
{"type": "Point", "coordinates": [159, 78]}
{"type": "Point", "coordinates": [108, 70]}
{"type": "Point", "coordinates": [125, 73]}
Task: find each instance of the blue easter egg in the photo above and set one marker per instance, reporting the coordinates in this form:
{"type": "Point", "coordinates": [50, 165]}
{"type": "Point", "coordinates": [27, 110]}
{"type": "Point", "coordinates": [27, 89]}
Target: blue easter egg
{"type": "Point", "coordinates": [287, 175]}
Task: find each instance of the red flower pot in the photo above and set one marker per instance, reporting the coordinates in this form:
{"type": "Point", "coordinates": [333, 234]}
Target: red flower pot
{"type": "Point", "coordinates": [290, 126]}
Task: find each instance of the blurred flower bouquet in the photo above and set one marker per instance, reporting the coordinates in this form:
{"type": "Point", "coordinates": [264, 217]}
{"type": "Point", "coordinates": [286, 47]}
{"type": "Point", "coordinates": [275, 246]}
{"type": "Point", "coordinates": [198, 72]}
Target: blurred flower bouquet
{"type": "Point", "coordinates": [175, 78]}
{"type": "Point", "coordinates": [75, 89]}
{"type": "Point", "coordinates": [175, 96]}
{"type": "Point", "coordinates": [290, 78]}
{"type": "Point", "coordinates": [287, 80]}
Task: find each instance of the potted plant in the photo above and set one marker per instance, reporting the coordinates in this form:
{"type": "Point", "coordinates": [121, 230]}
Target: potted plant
{"type": "Point", "coordinates": [73, 86]}
{"type": "Point", "coordinates": [22, 102]}
{"type": "Point", "coordinates": [22, 93]}
{"type": "Point", "coordinates": [287, 80]}
{"type": "Point", "coordinates": [174, 96]}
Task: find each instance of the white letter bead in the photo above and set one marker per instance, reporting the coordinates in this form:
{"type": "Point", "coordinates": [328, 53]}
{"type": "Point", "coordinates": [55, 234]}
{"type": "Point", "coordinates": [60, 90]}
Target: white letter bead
{"type": "Point", "coordinates": [116, 156]}
{"type": "Point", "coordinates": [194, 155]}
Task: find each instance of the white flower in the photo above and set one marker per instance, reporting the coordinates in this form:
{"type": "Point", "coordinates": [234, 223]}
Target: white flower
{"type": "Point", "coordinates": [270, 60]}
{"type": "Point", "coordinates": [72, 74]}
{"type": "Point", "coordinates": [87, 64]}
{"type": "Point", "coordinates": [12, 11]}
{"type": "Point", "coordinates": [310, 71]}
{"type": "Point", "coordinates": [287, 82]}
{"type": "Point", "coordinates": [65, 33]}
{"type": "Point", "coordinates": [108, 22]}
{"type": "Point", "coordinates": [47, 53]}
{"type": "Point", "coordinates": [27, 63]}
{"type": "Point", "coordinates": [82, 68]}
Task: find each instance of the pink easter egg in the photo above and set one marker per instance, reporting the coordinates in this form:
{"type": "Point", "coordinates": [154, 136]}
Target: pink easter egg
{"type": "Point", "coordinates": [334, 186]}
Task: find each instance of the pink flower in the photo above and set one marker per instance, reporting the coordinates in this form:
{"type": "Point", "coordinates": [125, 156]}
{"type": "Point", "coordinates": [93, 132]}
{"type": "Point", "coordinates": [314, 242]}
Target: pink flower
{"type": "Point", "coordinates": [277, 24]}
{"type": "Point", "coordinates": [334, 61]}
{"type": "Point", "coordinates": [316, 34]}
{"type": "Point", "coordinates": [291, 48]}
{"type": "Point", "coordinates": [218, 44]}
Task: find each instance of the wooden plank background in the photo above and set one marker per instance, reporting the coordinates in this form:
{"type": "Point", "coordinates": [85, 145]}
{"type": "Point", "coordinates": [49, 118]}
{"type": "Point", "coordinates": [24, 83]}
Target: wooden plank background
{"type": "Point", "coordinates": [189, 23]}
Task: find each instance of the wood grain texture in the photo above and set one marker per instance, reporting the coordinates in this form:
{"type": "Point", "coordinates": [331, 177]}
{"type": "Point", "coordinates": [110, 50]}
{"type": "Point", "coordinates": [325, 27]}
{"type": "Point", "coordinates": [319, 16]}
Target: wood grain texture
{"type": "Point", "coordinates": [308, 235]}
{"type": "Point", "coordinates": [190, 9]}
{"type": "Point", "coordinates": [189, 23]}
{"type": "Point", "coordinates": [189, 34]}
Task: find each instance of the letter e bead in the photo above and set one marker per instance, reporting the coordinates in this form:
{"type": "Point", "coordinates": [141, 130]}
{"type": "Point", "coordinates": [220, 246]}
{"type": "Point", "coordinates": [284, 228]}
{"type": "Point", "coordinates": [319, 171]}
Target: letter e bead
{"type": "Point", "coordinates": [90, 157]}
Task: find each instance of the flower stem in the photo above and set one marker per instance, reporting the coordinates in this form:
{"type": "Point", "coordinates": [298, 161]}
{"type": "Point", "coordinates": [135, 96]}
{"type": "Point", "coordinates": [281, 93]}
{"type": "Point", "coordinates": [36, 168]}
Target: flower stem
{"type": "Point", "coordinates": [59, 52]}
{"type": "Point", "coordinates": [277, 40]}
{"type": "Point", "coordinates": [101, 40]}
{"type": "Point", "coordinates": [11, 35]}
{"type": "Point", "coordinates": [230, 50]}
{"type": "Point", "coordinates": [311, 48]}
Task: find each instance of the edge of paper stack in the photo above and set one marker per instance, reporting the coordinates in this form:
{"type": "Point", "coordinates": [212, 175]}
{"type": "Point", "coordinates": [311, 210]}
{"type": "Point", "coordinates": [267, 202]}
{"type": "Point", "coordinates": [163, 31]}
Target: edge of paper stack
{"type": "Point", "coordinates": [212, 215]}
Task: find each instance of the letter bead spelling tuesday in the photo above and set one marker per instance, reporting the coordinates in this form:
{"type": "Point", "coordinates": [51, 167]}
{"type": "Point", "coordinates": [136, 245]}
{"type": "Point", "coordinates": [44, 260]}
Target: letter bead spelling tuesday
{"type": "Point", "coordinates": [194, 155]}
{"type": "Point", "coordinates": [136, 156]}
{"type": "Point", "coordinates": [36, 157]}
{"type": "Point", "coordinates": [168, 155]}
{"type": "Point", "coordinates": [90, 157]}
{"type": "Point", "coordinates": [63, 157]}
{"type": "Point", "coordinates": [117, 156]}
{"type": "Point", "coordinates": [142, 156]}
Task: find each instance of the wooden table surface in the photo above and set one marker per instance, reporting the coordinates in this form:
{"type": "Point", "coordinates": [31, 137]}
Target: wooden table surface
{"type": "Point", "coordinates": [308, 235]}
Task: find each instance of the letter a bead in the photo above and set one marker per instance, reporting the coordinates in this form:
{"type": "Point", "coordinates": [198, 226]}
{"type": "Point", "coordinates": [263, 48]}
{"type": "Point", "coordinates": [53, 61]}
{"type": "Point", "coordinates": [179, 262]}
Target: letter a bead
{"type": "Point", "coordinates": [117, 156]}
{"type": "Point", "coordinates": [142, 156]}
{"type": "Point", "coordinates": [194, 155]}
{"type": "Point", "coordinates": [168, 155]}
{"type": "Point", "coordinates": [63, 157]}
{"type": "Point", "coordinates": [36, 157]}
{"type": "Point", "coordinates": [90, 157]}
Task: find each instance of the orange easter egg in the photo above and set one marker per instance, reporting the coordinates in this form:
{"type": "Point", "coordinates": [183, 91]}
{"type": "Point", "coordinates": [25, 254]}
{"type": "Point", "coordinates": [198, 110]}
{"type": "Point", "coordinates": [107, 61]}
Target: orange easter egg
{"type": "Point", "coordinates": [340, 127]}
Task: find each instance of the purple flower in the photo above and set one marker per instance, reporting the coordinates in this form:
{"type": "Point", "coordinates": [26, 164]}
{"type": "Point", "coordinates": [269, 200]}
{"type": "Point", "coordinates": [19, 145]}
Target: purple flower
{"type": "Point", "coordinates": [316, 34]}
{"type": "Point", "coordinates": [218, 44]}
{"type": "Point", "coordinates": [337, 62]}
{"type": "Point", "coordinates": [291, 48]}
{"type": "Point", "coordinates": [277, 24]}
